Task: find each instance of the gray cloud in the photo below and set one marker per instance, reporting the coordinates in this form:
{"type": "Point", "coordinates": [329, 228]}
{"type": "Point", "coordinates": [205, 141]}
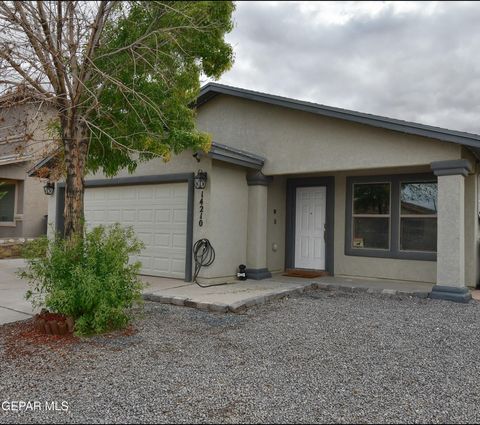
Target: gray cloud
{"type": "Point", "coordinates": [421, 65]}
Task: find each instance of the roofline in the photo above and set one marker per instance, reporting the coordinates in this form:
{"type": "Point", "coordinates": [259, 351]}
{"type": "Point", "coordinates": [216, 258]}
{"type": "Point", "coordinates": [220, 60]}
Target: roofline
{"type": "Point", "coordinates": [234, 156]}
{"type": "Point", "coordinates": [45, 162]}
{"type": "Point", "coordinates": [217, 151]}
{"type": "Point", "coordinates": [14, 159]}
{"type": "Point", "coordinates": [211, 90]}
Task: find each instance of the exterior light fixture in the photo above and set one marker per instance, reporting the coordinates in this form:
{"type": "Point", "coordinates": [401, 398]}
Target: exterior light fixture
{"type": "Point", "coordinates": [49, 188]}
{"type": "Point", "coordinates": [200, 179]}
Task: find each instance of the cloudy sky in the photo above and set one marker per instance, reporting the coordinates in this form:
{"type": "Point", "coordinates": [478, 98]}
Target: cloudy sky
{"type": "Point", "coordinates": [418, 61]}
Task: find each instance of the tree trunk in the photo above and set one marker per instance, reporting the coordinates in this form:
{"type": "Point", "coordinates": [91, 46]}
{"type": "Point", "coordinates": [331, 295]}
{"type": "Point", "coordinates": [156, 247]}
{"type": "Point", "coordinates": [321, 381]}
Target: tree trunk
{"type": "Point", "coordinates": [75, 137]}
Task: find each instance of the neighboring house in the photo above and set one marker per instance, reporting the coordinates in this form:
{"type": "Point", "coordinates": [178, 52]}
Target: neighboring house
{"type": "Point", "coordinates": [23, 206]}
{"type": "Point", "coordinates": [292, 184]}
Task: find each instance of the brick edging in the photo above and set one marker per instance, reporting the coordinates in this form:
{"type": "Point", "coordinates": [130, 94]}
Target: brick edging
{"type": "Point", "coordinates": [242, 305]}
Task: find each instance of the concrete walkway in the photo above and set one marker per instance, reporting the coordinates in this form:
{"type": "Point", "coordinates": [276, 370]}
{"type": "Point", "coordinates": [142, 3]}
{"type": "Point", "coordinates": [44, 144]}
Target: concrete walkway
{"type": "Point", "coordinates": [13, 305]}
{"type": "Point", "coordinates": [233, 297]}
{"type": "Point", "coordinates": [236, 297]}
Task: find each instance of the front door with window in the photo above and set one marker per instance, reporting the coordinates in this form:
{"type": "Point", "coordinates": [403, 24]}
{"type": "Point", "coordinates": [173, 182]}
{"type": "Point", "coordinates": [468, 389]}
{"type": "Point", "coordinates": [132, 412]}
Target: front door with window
{"type": "Point", "coordinates": [310, 219]}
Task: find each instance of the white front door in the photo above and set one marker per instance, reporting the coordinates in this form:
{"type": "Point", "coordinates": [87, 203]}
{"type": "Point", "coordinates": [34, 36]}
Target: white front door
{"type": "Point", "coordinates": [310, 227]}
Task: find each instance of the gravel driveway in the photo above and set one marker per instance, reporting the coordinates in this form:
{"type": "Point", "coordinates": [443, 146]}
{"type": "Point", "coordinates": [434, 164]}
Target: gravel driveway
{"type": "Point", "coordinates": [321, 357]}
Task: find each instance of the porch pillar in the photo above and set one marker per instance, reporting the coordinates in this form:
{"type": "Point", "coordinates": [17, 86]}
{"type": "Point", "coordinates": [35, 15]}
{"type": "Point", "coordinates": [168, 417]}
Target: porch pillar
{"type": "Point", "coordinates": [451, 230]}
{"type": "Point", "coordinates": [257, 226]}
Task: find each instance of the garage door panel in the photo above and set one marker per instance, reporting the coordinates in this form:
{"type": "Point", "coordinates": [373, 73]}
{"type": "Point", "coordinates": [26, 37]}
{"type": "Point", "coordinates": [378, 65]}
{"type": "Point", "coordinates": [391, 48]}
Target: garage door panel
{"type": "Point", "coordinates": [127, 195]}
{"type": "Point", "coordinates": [145, 216]}
{"type": "Point", "coordinates": [129, 216]}
{"type": "Point", "coordinates": [178, 266]}
{"type": "Point", "coordinates": [158, 215]}
{"type": "Point", "coordinates": [115, 195]}
{"type": "Point", "coordinates": [172, 253]}
{"type": "Point", "coordinates": [180, 216]}
{"type": "Point", "coordinates": [179, 193]}
{"type": "Point", "coordinates": [146, 238]}
{"type": "Point", "coordinates": [163, 216]}
{"type": "Point", "coordinates": [160, 266]}
{"type": "Point", "coordinates": [146, 261]}
{"type": "Point", "coordinates": [114, 216]}
{"type": "Point", "coordinates": [161, 193]}
{"type": "Point", "coordinates": [162, 240]}
{"type": "Point", "coordinates": [146, 192]}
{"type": "Point", "coordinates": [99, 215]}
{"type": "Point", "coordinates": [179, 240]}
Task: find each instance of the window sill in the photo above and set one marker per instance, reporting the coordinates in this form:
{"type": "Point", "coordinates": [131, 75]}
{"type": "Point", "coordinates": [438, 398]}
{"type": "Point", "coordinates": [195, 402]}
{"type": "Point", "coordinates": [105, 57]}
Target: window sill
{"type": "Point", "coordinates": [395, 255]}
{"type": "Point", "coordinates": [8, 224]}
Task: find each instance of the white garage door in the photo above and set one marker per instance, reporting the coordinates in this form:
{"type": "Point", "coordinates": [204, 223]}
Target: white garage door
{"type": "Point", "coordinates": [157, 213]}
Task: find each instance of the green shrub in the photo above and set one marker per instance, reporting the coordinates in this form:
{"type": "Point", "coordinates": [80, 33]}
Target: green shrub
{"type": "Point", "coordinates": [90, 279]}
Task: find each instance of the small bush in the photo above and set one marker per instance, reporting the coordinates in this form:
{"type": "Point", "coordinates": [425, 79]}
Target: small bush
{"type": "Point", "coordinates": [90, 279]}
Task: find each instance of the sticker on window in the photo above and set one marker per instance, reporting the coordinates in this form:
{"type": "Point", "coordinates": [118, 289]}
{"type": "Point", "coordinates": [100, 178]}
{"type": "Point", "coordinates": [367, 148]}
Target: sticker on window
{"type": "Point", "coordinates": [358, 242]}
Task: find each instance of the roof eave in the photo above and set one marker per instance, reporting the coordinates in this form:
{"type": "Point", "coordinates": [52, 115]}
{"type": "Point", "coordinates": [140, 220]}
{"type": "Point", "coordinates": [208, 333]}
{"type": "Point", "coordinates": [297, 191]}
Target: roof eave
{"type": "Point", "coordinates": [211, 90]}
{"type": "Point", "coordinates": [48, 161]}
{"type": "Point", "coordinates": [15, 159]}
{"type": "Point", "coordinates": [234, 156]}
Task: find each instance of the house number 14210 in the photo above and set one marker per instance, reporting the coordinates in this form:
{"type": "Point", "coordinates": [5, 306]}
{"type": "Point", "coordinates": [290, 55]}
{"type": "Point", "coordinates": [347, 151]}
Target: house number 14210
{"type": "Point", "coordinates": [200, 220]}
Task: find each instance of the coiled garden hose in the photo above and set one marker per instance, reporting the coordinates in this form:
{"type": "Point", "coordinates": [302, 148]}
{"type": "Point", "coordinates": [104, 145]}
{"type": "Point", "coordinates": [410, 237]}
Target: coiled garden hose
{"type": "Point", "coordinates": [204, 256]}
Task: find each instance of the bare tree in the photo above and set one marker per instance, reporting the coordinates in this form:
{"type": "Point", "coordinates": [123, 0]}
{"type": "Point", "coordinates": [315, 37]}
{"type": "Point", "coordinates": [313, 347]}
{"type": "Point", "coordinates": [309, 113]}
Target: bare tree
{"type": "Point", "coordinates": [35, 40]}
{"type": "Point", "coordinates": [69, 53]}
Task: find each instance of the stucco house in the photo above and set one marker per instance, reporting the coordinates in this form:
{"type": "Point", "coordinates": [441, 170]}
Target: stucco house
{"type": "Point", "coordinates": [23, 140]}
{"type": "Point", "coordinates": [298, 185]}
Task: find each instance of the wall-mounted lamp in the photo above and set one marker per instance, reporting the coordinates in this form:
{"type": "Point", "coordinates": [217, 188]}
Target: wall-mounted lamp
{"type": "Point", "coordinates": [49, 188]}
{"type": "Point", "coordinates": [200, 179]}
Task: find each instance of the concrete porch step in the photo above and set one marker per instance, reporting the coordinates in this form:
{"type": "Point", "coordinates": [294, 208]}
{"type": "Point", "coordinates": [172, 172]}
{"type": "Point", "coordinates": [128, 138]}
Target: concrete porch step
{"type": "Point", "coordinates": [237, 297]}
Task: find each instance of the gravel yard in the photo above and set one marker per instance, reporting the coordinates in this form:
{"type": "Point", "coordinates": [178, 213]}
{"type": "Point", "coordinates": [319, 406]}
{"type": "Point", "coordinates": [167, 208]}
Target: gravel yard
{"type": "Point", "coordinates": [320, 357]}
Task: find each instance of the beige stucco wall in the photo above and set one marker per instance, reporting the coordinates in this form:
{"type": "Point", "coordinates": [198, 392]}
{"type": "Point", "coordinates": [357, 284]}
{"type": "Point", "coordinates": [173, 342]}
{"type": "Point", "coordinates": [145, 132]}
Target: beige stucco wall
{"type": "Point", "coordinates": [52, 214]}
{"type": "Point", "coordinates": [226, 219]}
{"type": "Point", "coordinates": [35, 208]}
{"type": "Point", "coordinates": [276, 216]}
{"type": "Point", "coordinates": [32, 204]}
{"type": "Point", "coordinates": [299, 142]}
{"type": "Point", "coordinates": [183, 163]}
{"type": "Point", "coordinates": [302, 144]}
{"type": "Point", "coordinates": [13, 171]}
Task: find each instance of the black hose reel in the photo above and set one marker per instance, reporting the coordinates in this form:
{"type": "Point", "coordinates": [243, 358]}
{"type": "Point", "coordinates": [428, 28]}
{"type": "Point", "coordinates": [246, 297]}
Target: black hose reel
{"type": "Point", "coordinates": [204, 256]}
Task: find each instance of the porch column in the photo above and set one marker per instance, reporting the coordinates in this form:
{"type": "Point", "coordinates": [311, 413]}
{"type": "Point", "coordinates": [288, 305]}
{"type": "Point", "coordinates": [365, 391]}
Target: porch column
{"type": "Point", "coordinates": [451, 230]}
{"type": "Point", "coordinates": [257, 226]}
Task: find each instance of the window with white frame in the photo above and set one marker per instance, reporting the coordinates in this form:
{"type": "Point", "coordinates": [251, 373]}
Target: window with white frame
{"type": "Point", "coordinates": [7, 202]}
